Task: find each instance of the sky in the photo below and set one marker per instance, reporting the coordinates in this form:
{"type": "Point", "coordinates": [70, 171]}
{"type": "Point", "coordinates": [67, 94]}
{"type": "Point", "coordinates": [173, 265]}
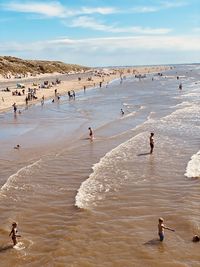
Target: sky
{"type": "Point", "coordinates": [102, 32]}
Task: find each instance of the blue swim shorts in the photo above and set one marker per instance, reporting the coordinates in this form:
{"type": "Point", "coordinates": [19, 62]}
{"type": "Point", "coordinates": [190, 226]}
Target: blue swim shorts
{"type": "Point", "coordinates": [161, 235]}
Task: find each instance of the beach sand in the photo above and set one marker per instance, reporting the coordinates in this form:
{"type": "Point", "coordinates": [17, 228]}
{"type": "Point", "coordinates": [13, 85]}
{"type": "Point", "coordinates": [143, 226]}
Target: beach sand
{"type": "Point", "coordinates": [68, 83]}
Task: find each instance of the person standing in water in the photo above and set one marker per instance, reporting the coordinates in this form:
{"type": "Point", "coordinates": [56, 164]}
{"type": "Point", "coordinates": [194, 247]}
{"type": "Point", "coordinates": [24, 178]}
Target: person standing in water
{"type": "Point", "coordinates": [151, 142]}
{"type": "Point", "coordinates": [161, 228]}
{"type": "Point", "coordinates": [90, 133]}
{"type": "Point", "coordinates": [14, 234]}
{"type": "Point", "coordinates": [15, 107]}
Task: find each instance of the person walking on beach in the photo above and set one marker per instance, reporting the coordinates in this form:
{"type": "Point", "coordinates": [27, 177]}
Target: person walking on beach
{"type": "Point", "coordinates": [151, 142]}
{"type": "Point", "coordinates": [14, 234]}
{"type": "Point", "coordinates": [73, 94]}
{"type": "Point", "coordinates": [15, 107]}
{"type": "Point", "coordinates": [90, 133]}
{"type": "Point", "coordinates": [26, 100]}
{"type": "Point", "coordinates": [69, 95]}
{"type": "Point", "coordinates": [161, 228]}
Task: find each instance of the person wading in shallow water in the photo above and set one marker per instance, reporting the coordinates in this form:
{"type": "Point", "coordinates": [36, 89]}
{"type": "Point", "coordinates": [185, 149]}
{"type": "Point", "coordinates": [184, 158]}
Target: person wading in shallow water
{"type": "Point", "coordinates": [14, 234]}
{"type": "Point", "coordinates": [151, 142]}
{"type": "Point", "coordinates": [90, 133]}
{"type": "Point", "coordinates": [161, 228]}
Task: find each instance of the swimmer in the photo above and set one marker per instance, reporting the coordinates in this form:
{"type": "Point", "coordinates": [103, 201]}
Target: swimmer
{"type": "Point", "coordinates": [161, 228]}
{"type": "Point", "coordinates": [122, 112]}
{"type": "Point", "coordinates": [17, 147]}
{"type": "Point", "coordinates": [151, 142]}
{"type": "Point", "coordinates": [14, 234]}
{"type": "Point", "coordinates": [90, 133]}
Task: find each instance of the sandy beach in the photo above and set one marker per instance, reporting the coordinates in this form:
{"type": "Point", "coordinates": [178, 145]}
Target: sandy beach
{"type": "Point", "coordinates": [68, 83]}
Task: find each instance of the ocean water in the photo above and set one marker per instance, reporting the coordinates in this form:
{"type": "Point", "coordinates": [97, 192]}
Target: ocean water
{"type": "Point", "coordinates": [82, 203]}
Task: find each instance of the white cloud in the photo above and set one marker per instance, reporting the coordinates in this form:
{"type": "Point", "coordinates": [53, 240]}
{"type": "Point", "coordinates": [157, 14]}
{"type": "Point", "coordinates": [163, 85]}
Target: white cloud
{"type": "Point", "coordinates": [144, 9]}
{"type": "Point", "coordinates": [98, 10]}
{"type": "Point", "coordinates": [111, 51]}
{"type": "Point", "coordinates": [91, 23]}
{"type": "Point", "coordinates": [142, 43]}
{"type": "Point", "coordinates": [173, 4]}
{"type": "Point", "coordinates": [55, 9]}
{"type": "Point", "coordinates": [155, 8]}
{"type": "Point", "coordinates": [52, 9]}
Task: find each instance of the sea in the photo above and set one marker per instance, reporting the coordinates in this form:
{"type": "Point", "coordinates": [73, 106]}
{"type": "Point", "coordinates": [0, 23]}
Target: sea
{"type": "Point", "coordinates": [83, 203]}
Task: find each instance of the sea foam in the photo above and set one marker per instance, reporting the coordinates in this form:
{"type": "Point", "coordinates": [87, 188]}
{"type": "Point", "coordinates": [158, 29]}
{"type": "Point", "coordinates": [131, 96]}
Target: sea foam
{"type": "Point", "coordinates": [193, 166]}
{"type": "Point", "coordinates": [107, 175]}
{"type": "Point", "coordinates": [13, 179]}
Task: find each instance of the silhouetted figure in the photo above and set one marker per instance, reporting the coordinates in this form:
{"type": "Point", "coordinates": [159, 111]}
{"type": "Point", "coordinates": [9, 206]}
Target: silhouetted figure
{"type": "Point", "coordinates": [151, 142]}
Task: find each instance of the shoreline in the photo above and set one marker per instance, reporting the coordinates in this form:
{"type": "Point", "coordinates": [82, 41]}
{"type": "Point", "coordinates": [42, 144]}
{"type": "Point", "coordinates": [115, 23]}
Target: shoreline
{"type": "Point", "coordinates": [70, 83]}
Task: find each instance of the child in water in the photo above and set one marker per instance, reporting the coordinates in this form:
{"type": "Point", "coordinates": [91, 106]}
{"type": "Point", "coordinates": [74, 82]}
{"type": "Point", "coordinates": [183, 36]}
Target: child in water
{"type": "Point", "coordinates": [14, 234]}
{"type": "Point", "coordinates": [161, 228]}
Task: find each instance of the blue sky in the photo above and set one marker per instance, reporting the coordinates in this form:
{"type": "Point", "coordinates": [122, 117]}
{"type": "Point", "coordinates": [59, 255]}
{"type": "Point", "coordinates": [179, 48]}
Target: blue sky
{"type": "Point", "coordinates": [102, 32]}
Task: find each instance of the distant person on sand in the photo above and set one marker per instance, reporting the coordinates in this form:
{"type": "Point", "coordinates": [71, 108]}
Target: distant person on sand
{"type": "Point", "coordinates": [14, 234]}
{"type": "Point", "coordinates": [151, 142]}
{"type": "Point", "coordinates": [161, 228]}
{"type": "Point", "coordinates": [90, 133]}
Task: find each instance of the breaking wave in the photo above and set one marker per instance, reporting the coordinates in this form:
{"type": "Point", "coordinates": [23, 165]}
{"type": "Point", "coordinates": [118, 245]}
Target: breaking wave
{"type": "Point", "coordinates": [193, 166]}
{"type": "Point", "coordinates": [12, 181]}
{"type": "Point", "coordinates": [108, 174]}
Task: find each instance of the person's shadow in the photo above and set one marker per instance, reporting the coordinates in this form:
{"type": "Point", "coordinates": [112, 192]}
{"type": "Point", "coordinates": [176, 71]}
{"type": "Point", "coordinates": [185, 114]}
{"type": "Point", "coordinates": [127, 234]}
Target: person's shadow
{"type": "Point", "coordinates": [143, 154]}
{"type": "Point", "coordinates": [152, 242]}
{"type": "Point", "coordinates": [5, 248]}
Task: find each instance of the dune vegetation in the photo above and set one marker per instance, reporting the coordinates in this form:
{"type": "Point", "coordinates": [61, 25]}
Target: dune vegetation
{"type": "Point", "coordinates": [16, 66]}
